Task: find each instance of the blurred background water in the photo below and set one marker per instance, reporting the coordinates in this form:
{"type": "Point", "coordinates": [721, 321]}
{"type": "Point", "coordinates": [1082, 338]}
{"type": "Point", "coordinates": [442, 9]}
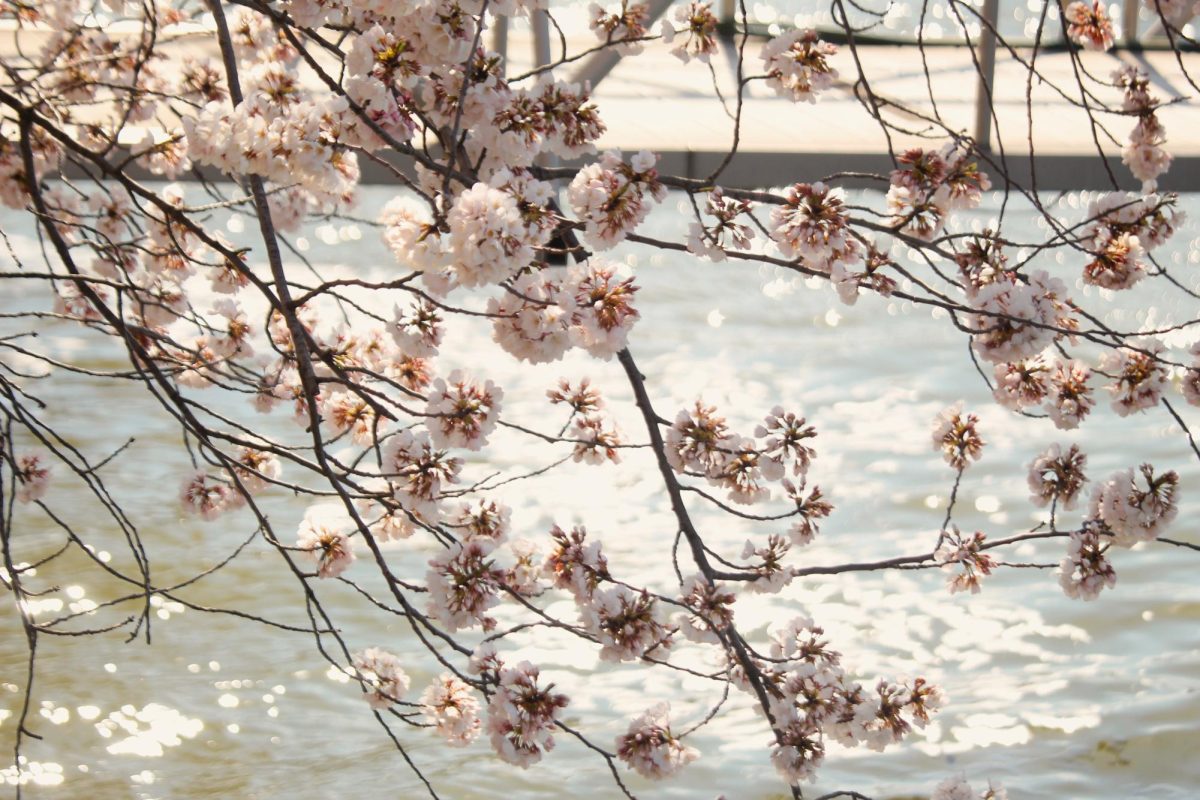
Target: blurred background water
{"type": "Point", "coordinates": [1053, 697]}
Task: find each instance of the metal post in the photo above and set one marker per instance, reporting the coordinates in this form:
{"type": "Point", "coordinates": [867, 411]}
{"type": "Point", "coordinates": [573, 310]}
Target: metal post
{"type": "Point", "coordinates": [541, 37]}
{"type": "Point", "coordinates": [541, 57]}
{"type": "Point", "coordinates": [728, 11]}
{"type": "Point", "coordinates": [1129, 21]}
{"type": "Point", "coordinates": [987, 76]}
{"type": "Point", "coordinates": [500, 41]}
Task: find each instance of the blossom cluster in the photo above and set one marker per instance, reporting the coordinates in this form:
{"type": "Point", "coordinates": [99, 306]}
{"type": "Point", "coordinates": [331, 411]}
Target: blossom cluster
{"type": "Point", "coordinates": [693, 33]}
{"type": "Point", "coordinates": [613, 197]}
{"type": "Point", "coordinates": [813, 226]}
{"type": "Point", "coordinates": [549, 311]}
{"type": "Point", "coordinates": [1057, 477]}
{"type": "Point", "coordinates": [797, 65]}
{"type": "Point", "coordinates": [1144, 153]}
{"type": "Point", "coordinates": [625, 27]}
{"type": "Point", "coordinates": [627, 624]}
{"type": "Point", "coordinates": [383, 678]}
{"type": "Point", "coordinates": [1061, 388]}
{"type": "Point", "coordinates": [1088, 25]}
{"type": "Point", "coordinates": [522, 714]}
{"type": "Point", "coordinates": [326, 546]}
{"type": "Point", "coordinates": [699, 443]}
{"type": "Point", "coordinates": [451, 707]}
{"type": "Point", "coordinates": [477, 234]}
{"type": "Point", "coordinates": [650, 748]}
{"type": "Point", "coordinates": [1135, 513]}
{"type": "Point", "coordinates": [1016, 315]}
{"type": "Point", "coordinates": [1085, 570]}
{"type": "Point", "coordinates": [1123, 229]}
{"type": "Point", "coordinates": [710, 241]}
{"type": "Point", "coordinates": [957, 436]}
{"type": "Point", "coordinates": [814, 699]}
{"type": "Point", "coordinates": [1122, 512]}
{"type": "Point", "coordinates": [929, 186]}
{"type": "Point", "coordinates": [33, 476]}
{"type": "Point", "coordinates": [965, 553]}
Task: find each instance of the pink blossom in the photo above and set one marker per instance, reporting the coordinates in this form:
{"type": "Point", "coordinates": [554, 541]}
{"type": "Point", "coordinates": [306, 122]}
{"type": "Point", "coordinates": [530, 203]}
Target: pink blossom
{"type": "Point", "coordinates": [462, 412]}
{"type": "Point", "coordinates": [205, 496]}
{"type": "Point", "coordinates": [534, 320]}
{"type": "Point", "coordinates": [411, 372]}
{"type": "Point", "coordinates": [418, 330]}
{"type": "Point", "coordinates": [710, 610]}
{"type": "Point", "coordinates": [1143, 153]}
{"type": "Point", "coordinates": [955, 788]}
{"type": "Point", "coordinates": [256, 469]}
{"type": "Point", "coordinates": [409, 232]}
{"type": "Point", "coordinates": [1088, 25]}
{"type": "Point", "coordinates": [523, 576]}
{"type": "Point", "coordinates": [1058, 477]}
{"type": "Point", "coordinates": [604, 311]}
{"type": "Point", "coordinates": [482, 519]}
{"type": "Point", "coordinates": [385, 682]}
{"type": "Point", "coordinates": [451, 707]}
{"type": "Point", "coordinates": [1117, 262]}
{"type": "Point", "coordinates": [650, 748]}
{"type": "Point", "coordinates": [767, 563]}
{"type": "Point", "coordinates": [238, 331]}
{"type": "Point", "coordinates": [786, 434]}
{"type": "Point", "coordinates": [1140, 378]}
{"type": "Point", "coordinates": [1085, 570]}
{"type": "Point", "coordinates": [329, 549]}
{"type": "Point", "coordinates": [385, 521]}
{"type": "Point", "coordinates": [799, 748]}
{"type": "Point", "coordinates": [489, 240]}
{"type": "Point", "coordinates": [386, 57]}
{"type": "Point", "coordinates": [809, 511]}
{"type": "Point", "coordinates": [697, 439]}
{"type": "Point", "coordinates": [594, 442]}
{"type": "Point", "coordinates": [710, 241]}
{"type": "Point", "coordinates": [348, 411]}
{"type": "Point", "coordinates": [1018, 318]}
{"type": "Point", "coordinates": [696, 26]}
{"type": "Point", "coordinates": [958, 788]}
{"type": "Point", "coordinates": [955, 434]}
{"type": "Point", "coordinates": [1133, 513]}
{"type": "Point", "coordinates": [813, 226]}
{"type": "Point", "coordinates": [574, 565]}
{"type": "Point", "coordinates": [625, 622]}
{"type": "Point", "coordinates": [572, 120]}
{"type": "Point", "coordinates": [623, 27]}
{"type": "Point", "coordinates": [797, 65]}
{"type": "Point", "coordinates": [1021, 384]}
{"type": "Point", "coordinates": [522, 715]}
{"type": "Point", "coordinates": [612, 198]}
{"type": "Point", "coordinates": [965, 552]}
{"type": "Point", "coordinates": [1069, 398]}
{"type": "Point", "coordinates": [33, 476]}
{"type": "Point", "coordinates": [928, 185]}
{"type": "Point", "coordinates": [464, 583]}
{"type": "Point", "coordinates": [583, 398]}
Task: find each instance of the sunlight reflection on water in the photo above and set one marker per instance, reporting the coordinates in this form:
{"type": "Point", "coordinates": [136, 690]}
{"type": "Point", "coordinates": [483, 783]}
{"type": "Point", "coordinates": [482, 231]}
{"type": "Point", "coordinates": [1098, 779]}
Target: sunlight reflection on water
{"type": "Point", "coordinates": [1055, 698]}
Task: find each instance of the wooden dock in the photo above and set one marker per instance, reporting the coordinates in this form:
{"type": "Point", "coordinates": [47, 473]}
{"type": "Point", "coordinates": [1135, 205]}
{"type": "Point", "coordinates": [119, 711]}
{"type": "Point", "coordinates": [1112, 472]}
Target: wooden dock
{"type": "Point", "coordinates": [655, 102]}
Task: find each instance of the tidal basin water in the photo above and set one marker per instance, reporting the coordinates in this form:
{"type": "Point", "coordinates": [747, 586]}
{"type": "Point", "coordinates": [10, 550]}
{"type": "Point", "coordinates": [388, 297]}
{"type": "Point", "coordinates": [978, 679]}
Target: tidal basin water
{"type": "Point", "coordinates": [1053, 697]}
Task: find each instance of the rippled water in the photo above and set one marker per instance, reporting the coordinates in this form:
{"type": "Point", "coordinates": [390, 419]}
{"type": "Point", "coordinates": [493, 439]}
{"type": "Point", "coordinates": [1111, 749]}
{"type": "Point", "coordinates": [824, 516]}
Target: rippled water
{"type": "Point", "coordinates": [1055, 698]}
